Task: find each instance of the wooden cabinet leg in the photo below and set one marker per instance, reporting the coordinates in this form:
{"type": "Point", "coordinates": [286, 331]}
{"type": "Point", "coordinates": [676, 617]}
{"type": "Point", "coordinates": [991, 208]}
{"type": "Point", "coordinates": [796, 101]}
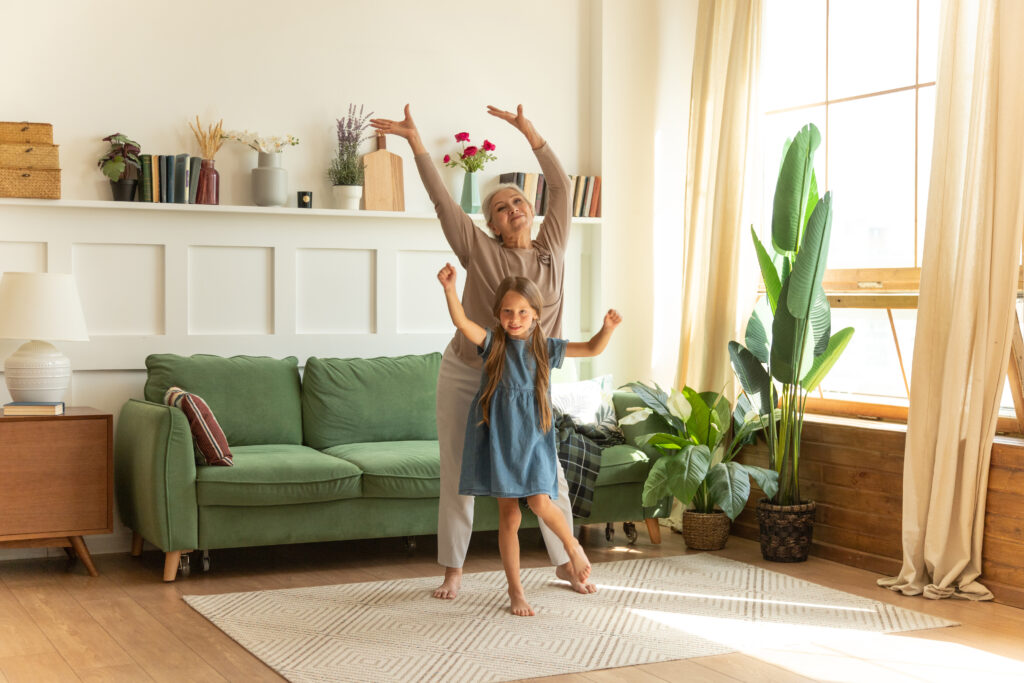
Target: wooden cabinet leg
{"type": "Point", "coordinates": [136, 544]}
{"type": "Point", "coordinates": [83, 554]}
{"type": "Point", "coordinates": [653, 530]}
{"type": "Point", "coordinates": [171, 564]}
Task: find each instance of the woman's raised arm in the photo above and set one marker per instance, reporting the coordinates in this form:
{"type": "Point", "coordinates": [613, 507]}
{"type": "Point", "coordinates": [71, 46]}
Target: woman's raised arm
{"type": "Point", "coordinates": [406, 128]}
{"type": "Point", "coordinates": [522, 123]}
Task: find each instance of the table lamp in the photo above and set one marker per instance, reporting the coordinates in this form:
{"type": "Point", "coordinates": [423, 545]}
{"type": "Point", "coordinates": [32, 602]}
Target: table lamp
{"type": "Point", "coordinates": [36, 307]}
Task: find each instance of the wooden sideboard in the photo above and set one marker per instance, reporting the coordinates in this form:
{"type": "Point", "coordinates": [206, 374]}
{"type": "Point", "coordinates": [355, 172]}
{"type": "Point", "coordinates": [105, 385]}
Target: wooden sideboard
{"type": "Point", "coordinates": [56, 480]}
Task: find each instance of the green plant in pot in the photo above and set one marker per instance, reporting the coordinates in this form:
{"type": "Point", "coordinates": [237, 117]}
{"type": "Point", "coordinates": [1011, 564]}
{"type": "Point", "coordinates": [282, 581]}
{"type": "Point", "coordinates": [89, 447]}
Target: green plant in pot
{"type": "Point", "coordinates": [789, 345]}
{"type": "Point", "coordinates": [697, 464]}
{"type": "Point", "coordinates": [121, 165]}
{"type": "Point", "coordinates": [346, 170]}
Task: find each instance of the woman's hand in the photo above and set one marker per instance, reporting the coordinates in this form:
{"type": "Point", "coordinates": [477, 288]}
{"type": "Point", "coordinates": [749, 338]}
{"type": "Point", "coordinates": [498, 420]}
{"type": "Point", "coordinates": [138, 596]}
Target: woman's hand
{"type": "Point", "coordinates": [446, 276]}
{"type": "Point", "coordinates": [406, 128]}
{"type": "Point", "coordinates": [519, 121]}
{"type": "Point", "coordinates": [612, 319]}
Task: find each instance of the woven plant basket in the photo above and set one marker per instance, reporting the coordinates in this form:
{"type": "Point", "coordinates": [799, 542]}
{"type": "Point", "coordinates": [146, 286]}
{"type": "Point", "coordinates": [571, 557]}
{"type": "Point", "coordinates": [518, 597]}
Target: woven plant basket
{"type": "Point", "coordinates": [705, 530]}
{"type": "Point", "coordinates": [786, 530]}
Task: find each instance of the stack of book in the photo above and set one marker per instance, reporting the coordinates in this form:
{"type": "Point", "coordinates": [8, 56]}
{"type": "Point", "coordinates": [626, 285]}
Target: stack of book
{"type": "Point", "coordinates": [34, 408]}
{"type": "Point", "coordinates": [585, 190]}
{"type": "Point", "coordinates": [169, 178]}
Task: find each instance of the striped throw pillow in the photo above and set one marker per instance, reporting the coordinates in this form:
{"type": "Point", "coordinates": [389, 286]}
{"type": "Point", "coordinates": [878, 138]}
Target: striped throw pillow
{"type": "Point", "coordinates": [211, 446]}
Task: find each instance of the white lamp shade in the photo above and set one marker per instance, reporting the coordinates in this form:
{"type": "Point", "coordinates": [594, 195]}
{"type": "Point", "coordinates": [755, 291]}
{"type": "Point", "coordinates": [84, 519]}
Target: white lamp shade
{"type": "Point", "coordinates": [41, 306]}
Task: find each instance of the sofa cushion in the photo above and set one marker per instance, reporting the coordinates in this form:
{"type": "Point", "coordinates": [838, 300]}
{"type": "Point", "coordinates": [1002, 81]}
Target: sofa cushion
{"type": "Point", "coordinates": [395, 469]}
{"type": "Point", "coordinates": [624, 400]}
{"type": "Point", "coordinates": [210, 445]}
{"type": "Point", "coordinates": [623, 464]}
{"type": "Point", "coordinates": [256, 399]}
{"type": "Point", "coordinates": [357, 400]}
{"type": "Point", "coordinates": [277, 474]}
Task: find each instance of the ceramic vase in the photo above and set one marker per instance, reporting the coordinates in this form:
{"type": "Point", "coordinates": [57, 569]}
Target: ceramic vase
{"type": "Point", "coordinates": [470, 194]}
{"type": "Point", "coordinates": [347, 196]}
{"type": "Point", "coordinates": [269, 181]}
{"type": "Point", "coordinates": [208, 189]}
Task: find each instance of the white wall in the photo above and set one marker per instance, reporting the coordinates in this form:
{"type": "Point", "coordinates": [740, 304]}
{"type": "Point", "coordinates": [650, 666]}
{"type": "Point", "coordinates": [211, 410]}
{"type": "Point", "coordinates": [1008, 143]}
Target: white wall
{"type": "Point", "coordinates": [588, 76]}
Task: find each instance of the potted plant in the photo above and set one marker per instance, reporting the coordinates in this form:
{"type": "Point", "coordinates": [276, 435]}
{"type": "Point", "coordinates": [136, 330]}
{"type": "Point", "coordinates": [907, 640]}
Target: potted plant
{"type": "Point", "coordinates": [697, 465]}
{"type": "Point", "coordinates": [346, 169]}
{"type": "Point", "coordinates": [789, 345]}
{"type": "Point", "coordinates": [121, 165]}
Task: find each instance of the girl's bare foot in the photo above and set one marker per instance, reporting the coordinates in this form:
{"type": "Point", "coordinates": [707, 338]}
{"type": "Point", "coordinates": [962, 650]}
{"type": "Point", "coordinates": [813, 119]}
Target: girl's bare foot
{"type": "Point", "coordinates": [449, 588]}
{"type": "Point", "coordinates": [563, 572]}
{"type": "Point", "coordinates": [519, 606]}
{"type": "Point", "coordinates": [579, 564]}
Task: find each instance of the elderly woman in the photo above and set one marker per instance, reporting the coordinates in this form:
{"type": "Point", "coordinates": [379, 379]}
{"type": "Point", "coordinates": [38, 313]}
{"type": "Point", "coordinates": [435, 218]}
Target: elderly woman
{"type": "Point", "coordinates": [488, 259]}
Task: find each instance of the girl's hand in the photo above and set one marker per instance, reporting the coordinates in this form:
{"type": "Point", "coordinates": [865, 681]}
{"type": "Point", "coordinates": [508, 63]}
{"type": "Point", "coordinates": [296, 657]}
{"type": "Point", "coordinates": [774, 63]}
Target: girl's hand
{"type": "Point", "coordinates": [405, 128]}
{"type": "Point", "coordinates": [612, 319]}
{"type": "Point", "coordinates": [446, 276]}
{"type": "Point", "coordinates": [519, 121]}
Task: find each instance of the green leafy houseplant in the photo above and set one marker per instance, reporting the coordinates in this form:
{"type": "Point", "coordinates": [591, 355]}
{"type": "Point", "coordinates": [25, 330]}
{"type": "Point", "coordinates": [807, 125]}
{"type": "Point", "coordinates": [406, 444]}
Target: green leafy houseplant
{"type": "Point", "coordinates": [789, 345]}
{"type": "Point", "coordinates": [122, 159]}
{"type": "Point", "coordinates": [347, 166]}
{"type": "Point", "coordinates": [697, 465]}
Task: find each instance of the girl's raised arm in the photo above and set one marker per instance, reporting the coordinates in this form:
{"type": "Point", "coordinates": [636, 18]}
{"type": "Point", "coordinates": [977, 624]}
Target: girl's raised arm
{"type": "Point", "coordinates": [599, 341]}
{"type": "Point", "coordinates": [473, 332]}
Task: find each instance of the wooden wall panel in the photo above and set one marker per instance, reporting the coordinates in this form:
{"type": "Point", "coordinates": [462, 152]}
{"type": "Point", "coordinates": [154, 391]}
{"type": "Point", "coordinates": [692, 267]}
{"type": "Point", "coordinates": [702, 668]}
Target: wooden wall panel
{"type": "Point", "coordinates": [854, 472]}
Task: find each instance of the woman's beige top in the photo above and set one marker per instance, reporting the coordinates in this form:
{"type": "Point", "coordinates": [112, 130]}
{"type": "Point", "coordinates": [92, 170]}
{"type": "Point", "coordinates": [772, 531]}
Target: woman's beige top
{"type": "Point", "coordinates": [487, 263]}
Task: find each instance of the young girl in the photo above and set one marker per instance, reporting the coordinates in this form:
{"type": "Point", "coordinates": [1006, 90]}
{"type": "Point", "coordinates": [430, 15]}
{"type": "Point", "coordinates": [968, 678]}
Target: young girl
{"type": "Point", "coordinates": [509, 451]}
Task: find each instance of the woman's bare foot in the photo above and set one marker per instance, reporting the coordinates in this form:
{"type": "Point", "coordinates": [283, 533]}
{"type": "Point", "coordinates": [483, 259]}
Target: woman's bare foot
{"type": "Point", "coordinates": [562, 571]}
{"type": "Point", "coordinates": [578, 562]}
{"type": "Point", "coordinates": [449, 588]}
{"type": "Point", "coordinates": [519, 606]}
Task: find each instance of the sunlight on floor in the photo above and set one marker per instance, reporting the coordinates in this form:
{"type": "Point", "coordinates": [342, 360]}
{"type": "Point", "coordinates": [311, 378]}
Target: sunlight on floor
{"type": "Point", "coordinates": [832, 654]}
{"type": "Point", "coordinates": [731, 598]}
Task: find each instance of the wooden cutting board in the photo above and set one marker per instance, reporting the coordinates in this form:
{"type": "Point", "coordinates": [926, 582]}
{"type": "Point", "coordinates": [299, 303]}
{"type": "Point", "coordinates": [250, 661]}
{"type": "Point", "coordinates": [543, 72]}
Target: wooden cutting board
{"type": "Point", "coordinates": [382, 182]}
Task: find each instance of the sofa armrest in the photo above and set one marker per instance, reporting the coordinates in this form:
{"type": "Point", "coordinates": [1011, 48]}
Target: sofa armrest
{"type": "Point", "coordinates": [155, 475]}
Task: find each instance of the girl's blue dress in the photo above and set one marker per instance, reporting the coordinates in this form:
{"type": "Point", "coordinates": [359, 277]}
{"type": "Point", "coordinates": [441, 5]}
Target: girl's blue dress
{"type": "Point", "coordinates": [511, 457]}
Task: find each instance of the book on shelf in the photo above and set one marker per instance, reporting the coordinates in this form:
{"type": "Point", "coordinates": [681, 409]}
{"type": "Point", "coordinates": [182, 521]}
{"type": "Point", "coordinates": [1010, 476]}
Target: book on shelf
{"type": "Point", "coordinates": [588, 197]}
{"type": "Point", "coordinates": [530, 187]}
{"type": "Point", "coordinates": [520, 180]}
{"type": "Point", "coordinates": [181, 169]}
{"type": "Point", "coordinates": [195, 163]}
{"type": "Point", "coordinates": [146, 178]}
{"type": "Point", "coordinates": [156, 178]}
{"type": "Point", "coordinates": [507, 179]}
{"type": "Point", "coordinates": [169, 184]}
{"type": "Point", "coordinates": [595, 201]}
{"type": "Point", "coordinates": [577, 195]}
{"type": "Point", "coordinates": [34, 408]}
{"type": "Point", "coordinates": [541, 201]}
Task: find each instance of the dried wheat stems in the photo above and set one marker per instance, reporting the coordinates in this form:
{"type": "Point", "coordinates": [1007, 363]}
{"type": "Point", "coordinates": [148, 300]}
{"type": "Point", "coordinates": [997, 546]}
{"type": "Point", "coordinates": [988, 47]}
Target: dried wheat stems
{"type": "Point", "coordinates": [210, 140]}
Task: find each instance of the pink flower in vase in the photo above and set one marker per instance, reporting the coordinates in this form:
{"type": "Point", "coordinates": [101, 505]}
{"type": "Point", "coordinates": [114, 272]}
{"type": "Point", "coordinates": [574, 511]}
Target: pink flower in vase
{"type": "Point", "coordinates": [462, 137]}
{"type": "Point", "coordinates": [447, 158]}
{"type": "Point", "coordinates": [489, 146]}
{"type": "Point", "coordinates": [471, 151]}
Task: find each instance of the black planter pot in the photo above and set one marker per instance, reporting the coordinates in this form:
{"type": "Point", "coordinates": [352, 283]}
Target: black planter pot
{"type": "Point", "coordinates": [123, 190]}
{"type": "Point", "coordinates": [786, 531]}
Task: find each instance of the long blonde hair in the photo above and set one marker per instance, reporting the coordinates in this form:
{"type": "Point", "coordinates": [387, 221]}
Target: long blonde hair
{"type": "Point", "coordinates": [495, 365]}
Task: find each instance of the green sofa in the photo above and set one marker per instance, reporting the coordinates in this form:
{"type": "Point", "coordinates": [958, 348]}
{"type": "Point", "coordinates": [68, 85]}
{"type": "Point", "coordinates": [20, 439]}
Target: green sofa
{"type": "Point", "coordinates": [348, 451]}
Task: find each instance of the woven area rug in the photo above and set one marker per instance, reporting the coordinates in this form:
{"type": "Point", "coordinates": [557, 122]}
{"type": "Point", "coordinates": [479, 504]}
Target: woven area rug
{"type": "Point", "coordinates": [645, 611]}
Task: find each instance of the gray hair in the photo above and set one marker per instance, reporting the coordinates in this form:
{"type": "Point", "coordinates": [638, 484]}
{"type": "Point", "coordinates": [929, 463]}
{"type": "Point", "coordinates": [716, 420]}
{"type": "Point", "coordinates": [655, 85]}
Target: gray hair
{"type": "Point", "coordinates": [485, 206]}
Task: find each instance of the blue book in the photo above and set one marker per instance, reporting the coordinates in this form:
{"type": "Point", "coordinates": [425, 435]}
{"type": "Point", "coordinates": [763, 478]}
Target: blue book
{"type": "Point", "coordinates": [34, 408]}
{"type": "Point", "coordinates": [169, 176]}
{"type": "Point", "coordinates": [195, 163]}
{"type": "Point", "coordinates": [163, 177]}
{"type": "Point", "coordinates": [181, 178]}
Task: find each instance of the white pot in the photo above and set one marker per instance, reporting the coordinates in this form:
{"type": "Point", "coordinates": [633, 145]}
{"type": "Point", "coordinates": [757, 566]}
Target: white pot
{"type": "Point", "coordinates": [347, 196]}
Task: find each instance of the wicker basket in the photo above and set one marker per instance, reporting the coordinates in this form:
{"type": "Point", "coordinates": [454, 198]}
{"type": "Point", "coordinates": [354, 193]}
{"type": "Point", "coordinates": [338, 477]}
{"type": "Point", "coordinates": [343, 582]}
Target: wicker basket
{"type": "Point", "coordinates": [705, 530]}
{"type": "Point", "coordinates": [786, 531]}
{"type": "Point", "coordinates": [23, 131]}
{"type": "Point", "coordinates": [31, 183]}
{"type": "Point", "coordinates": [27, 155]}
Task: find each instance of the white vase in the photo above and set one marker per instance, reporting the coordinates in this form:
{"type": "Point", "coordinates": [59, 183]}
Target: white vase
{"type": "Point", "coordinates": [269, 181]}
{"type": "Point", "coordinates": [347, 196]}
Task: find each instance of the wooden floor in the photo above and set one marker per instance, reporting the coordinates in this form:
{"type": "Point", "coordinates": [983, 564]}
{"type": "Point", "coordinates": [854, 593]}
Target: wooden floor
{"type": "Point", "coordinates": [59, 624]}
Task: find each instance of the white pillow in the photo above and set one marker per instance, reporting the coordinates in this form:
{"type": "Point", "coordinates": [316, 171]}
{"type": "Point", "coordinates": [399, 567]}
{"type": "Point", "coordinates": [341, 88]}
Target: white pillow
{"type": "Point", "coordinates": [587, 402]}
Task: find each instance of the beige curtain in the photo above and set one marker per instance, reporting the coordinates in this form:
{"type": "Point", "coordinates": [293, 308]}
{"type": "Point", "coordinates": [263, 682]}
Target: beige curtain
{"type": "Point", "coordinates": [720, 166]}
{"type": "Point", "coordinates": [965, 315]}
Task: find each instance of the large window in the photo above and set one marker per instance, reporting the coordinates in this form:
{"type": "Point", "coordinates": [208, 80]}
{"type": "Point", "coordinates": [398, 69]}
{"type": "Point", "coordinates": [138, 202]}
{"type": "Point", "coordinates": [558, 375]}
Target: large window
{"type": "Point", "coordinates": [863, 71]}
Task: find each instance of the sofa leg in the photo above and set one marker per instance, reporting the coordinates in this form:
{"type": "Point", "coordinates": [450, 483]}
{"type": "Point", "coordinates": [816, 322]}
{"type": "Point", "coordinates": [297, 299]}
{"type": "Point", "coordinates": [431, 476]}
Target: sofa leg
{"type": "Point", "coordinates": [136, 544]}
{"type": "Point", "coordinates": [653, 530]}
{"type": "Point", "coordinates": [171, 560]}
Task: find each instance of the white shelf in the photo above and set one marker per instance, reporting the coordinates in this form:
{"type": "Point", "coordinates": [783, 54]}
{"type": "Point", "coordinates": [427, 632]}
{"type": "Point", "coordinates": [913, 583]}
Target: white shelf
{"type": "Point", "coordinates": [221, 208]}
